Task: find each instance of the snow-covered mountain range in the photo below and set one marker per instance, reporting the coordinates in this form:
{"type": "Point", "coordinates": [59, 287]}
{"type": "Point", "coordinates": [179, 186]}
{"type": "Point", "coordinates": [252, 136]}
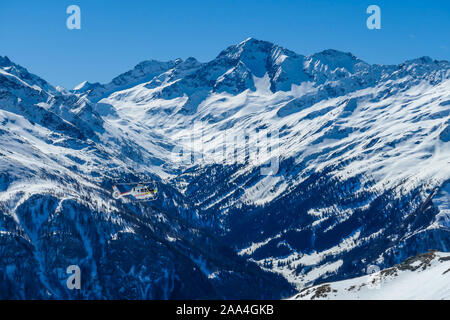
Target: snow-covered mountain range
{"type": "Point", "coordinates": [359, 159]}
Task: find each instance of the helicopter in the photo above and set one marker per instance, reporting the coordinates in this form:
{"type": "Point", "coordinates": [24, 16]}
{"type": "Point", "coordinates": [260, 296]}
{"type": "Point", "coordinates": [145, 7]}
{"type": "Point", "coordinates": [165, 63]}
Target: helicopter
{"type": "Point", "coordinates": [139, 192]}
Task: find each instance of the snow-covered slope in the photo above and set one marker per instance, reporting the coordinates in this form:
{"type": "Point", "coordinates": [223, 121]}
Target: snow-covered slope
{"type": "Point", "coordinates": [359, 158]}
{"type": "Point", "coordinates": [426, 276]}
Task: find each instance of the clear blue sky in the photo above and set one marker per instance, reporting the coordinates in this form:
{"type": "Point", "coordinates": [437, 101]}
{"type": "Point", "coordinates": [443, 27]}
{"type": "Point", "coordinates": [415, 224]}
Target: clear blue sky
{"type": "Point", "coordinates": [116, 35]}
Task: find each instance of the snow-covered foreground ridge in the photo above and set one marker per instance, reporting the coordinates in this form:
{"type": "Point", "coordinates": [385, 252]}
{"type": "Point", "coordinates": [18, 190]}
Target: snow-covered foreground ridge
{"type": "Point", "coordinates": [426, 276]}
{"type": "Point", "coordinates": [359, 157]}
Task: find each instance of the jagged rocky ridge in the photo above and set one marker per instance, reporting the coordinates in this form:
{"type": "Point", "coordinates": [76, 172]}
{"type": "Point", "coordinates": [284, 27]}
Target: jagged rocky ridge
{"type": "Point", "coordinates": [424, 276]}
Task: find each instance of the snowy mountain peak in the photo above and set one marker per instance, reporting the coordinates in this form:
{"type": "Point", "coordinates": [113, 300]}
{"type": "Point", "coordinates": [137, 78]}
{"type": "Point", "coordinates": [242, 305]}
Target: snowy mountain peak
{"type": "Point", "coordinates": [249, 45]}
{"type": "Point", "coordinates": [142, 72]}
{"type": "Point", "coordinates": [190, 62]}
{"type": "Point", "coordinates": [84, 86]}
{"type": "Point", "coordinates": [425, 64]}
{"type": "Point", "coordinates": [331, 64]}
{"type": "Point", "coordinates": [333, 54]}
{"type": "Point", "coordinates": [422, 60]}
{"type": "Point", "coordinates": [14, 73]}
{"type": "Point", "coordinates": [252, 52]}
{"type": "Point", "coordinates": [5, 62]}
{"type": "Point", "coordinates": [145, 70]}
